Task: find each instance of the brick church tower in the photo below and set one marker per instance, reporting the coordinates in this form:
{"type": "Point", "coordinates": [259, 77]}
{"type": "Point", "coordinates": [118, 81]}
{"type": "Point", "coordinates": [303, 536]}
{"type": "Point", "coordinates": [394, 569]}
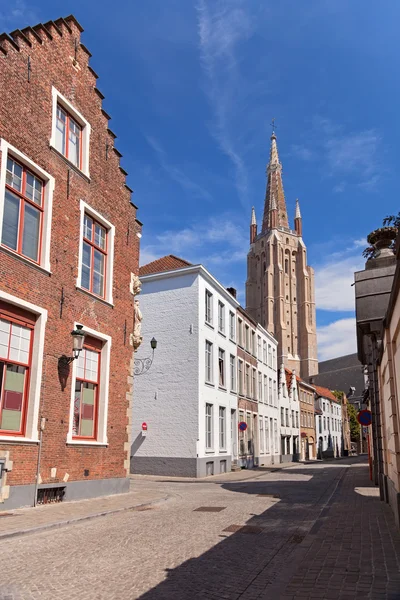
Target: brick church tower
{"type": "Point", "coordinates": [280, 284]}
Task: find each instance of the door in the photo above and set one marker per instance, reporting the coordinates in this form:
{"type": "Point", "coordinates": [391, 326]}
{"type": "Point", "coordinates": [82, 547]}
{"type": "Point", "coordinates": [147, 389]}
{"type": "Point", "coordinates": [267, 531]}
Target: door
{"type": "Point", "coordinates": [233, 435]}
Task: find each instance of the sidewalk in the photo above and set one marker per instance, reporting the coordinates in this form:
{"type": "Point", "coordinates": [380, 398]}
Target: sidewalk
{"type": "Point", "coordinates": [30, 520]}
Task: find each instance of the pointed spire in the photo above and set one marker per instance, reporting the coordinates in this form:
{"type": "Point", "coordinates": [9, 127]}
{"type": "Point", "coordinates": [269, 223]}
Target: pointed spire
{"type": "Point", "coordinates": [275, 196]}
{"type": "Point", "coordinates": [298, 226]}
{"type": "Point", "coordinates": [297, 213]}
{"type": "Point", "coordinates": [253, 226]}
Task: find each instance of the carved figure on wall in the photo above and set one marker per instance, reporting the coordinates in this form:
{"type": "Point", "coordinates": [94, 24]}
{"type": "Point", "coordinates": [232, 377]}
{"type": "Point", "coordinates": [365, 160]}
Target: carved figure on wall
{"type": "Point", "coordinates": [137, 337]}
{"type": "Point", "coordinates": [135, 285]}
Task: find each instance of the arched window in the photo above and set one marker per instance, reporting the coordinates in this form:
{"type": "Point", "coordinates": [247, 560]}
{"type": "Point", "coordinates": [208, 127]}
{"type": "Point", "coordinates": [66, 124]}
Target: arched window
{"type": "Point", "coordinates": [286, 266]}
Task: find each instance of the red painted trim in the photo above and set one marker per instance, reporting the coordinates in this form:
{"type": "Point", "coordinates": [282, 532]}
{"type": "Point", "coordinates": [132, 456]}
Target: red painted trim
{"type": "Point", "coordinates": [97, 388]}
{"type": "Point", "coordinates": [94, 247]}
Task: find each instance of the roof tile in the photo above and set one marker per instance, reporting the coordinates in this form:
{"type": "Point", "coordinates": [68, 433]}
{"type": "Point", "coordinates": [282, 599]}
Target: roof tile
{"type": "Point", "coordinates": [166, 263]}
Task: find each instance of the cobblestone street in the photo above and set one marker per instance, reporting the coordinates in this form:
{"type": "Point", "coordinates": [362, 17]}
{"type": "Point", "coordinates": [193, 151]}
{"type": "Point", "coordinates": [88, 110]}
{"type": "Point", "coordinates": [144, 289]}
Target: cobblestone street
{"type": "Point", "coordinates": [309, 531]}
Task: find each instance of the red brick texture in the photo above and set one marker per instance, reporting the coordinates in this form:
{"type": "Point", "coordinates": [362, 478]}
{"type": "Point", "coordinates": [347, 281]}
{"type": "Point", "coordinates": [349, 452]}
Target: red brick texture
{"type": "Point", "coordinates": [25, 122]}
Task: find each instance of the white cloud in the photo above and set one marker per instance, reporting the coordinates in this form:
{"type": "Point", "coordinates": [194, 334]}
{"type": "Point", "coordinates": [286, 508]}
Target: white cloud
{"type": "Point", "coordinates": [337, 339]}
{"type": "Point", "coordinates": [222, 27]}
{"type": "Point", "coordinates": [176, 173]}
{"type": "Point", "coordinates": [302, 152]}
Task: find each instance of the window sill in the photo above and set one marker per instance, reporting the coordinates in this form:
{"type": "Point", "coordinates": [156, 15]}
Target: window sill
{"type": "Point", "coordinates": [231, 339]}
{"type": "Point", "coordinates": [25, 260]}
{"type": "Point", "coordinates": [223, 451]}
{"type": "Point", "coordinates": [209, 383]}
{"type": "Point", "coordinates": [210, 325]}
{"type": "Point", "coordinates": [210, 452]}
{"type": "Point", "coordinates": [70, 164]}
{"type": "Point", "coordinates": [222, 388]}
{"type": "Point", "coordinates": [13, 439]}
{"type": "Point", "coordinates": [86, 443]}
{"type": "Point", "coordinates": [222, 333]}
{"type": "Point", "coordinates": [234, 392]}
{"type": "Point", "coordinates": [102, 300]}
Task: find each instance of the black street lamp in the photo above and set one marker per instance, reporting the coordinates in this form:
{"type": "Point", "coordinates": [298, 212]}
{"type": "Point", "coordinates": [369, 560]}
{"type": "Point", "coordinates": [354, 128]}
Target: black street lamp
{"type": "Point", "coordinates": [78, 338]}
{"type": "Point", "coordinates": [142, 365]}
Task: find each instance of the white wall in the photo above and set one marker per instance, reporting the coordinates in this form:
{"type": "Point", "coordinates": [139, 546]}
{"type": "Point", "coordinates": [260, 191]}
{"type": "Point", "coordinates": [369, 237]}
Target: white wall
{"type": "Point", "coordinates": [214, 394]}
{"type": "Point", "coordinates": [330, 425]}
{"type": "Point", "coordinates": [268, 405]}
{"type": "Point", "coordinates": [166, 397]}
{"type": "Point", "coordinates": [288, 399]}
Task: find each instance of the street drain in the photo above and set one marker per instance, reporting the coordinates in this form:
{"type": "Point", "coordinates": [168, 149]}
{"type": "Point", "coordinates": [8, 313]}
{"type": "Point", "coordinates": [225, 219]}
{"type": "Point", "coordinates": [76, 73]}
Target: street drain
{"type": "Point", "coordinates": [268, 496]}
{"type": "Point", "coordinates": [297, 538]}
{"type": "Point", "coordinates": [209, 509]}
{"type": "Point", "coordinates": [243, 529]}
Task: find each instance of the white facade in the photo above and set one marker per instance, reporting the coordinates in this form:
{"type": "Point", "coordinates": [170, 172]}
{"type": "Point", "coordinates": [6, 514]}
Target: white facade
{"type": "Point", "coordinates": [289, 407]}
{"type": "Point", "coordinates": [269, 449]}
{"type": "Point", "coordinates": [188, 398]}
{"type": "Point", "coordinates": [328, 426]}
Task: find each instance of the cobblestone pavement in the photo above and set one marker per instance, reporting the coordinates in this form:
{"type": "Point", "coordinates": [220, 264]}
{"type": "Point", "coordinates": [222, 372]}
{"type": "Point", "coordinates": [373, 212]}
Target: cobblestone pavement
{"type": "Point", "coordinates": [313, 531]}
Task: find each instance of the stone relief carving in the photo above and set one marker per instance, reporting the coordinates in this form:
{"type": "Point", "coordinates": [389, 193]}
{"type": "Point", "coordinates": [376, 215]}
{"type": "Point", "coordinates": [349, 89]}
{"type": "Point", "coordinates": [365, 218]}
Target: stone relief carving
{"type": "Point", "coordinates": [135, 285]}
{"type": "Point", "coordinates": [136, 337]}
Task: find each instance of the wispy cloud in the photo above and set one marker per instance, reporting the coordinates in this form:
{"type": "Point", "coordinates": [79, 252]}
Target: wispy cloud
{"type": "Point", "coordinates": [176, 173]}
{"type": "Point", "coordinates": [17, 14]}
{"type": "Point", "coordinates": [223, 26]}
{"type": "Point", "coordinates": [337, 339]}
{"type": "Point", "coordinates": [351, 155]}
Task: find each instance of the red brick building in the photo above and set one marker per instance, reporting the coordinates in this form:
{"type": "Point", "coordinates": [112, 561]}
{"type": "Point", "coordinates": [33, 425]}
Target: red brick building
{"type": "Point", "coordinates": [69, 241]}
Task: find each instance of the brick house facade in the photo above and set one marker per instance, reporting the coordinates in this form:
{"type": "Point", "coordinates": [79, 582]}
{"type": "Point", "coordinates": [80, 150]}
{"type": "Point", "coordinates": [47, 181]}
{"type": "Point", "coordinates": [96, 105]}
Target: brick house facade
{"type": "Point", "coordinates": [69, 243]}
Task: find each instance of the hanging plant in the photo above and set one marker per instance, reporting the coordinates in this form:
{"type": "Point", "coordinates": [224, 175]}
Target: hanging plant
{"type": "Point", "coordinates": [383, 237]}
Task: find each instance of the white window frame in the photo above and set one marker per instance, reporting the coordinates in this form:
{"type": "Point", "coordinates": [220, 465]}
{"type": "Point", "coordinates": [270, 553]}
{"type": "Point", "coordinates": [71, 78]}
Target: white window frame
{"type": "Point", "coordinates": [210, 345]}
{"type": "Point", "coordinates": [221, 357]}
{"type": "Point", "coordinates": [232, 323]}
{"type": "Point", "coordinates": [240, 333]}
{"type": "Point", "coordinates": [264, 352]}
{"type": "Point", "coordinates": [104, 384]}
{"type": "Point", "coordinates": [259, 350]}
{"type": "Point", "coordinates": [209, 418]}
{"type": "Point", "coordinates": [232, 372]}
{"type": "Point", "coordinates": [36, 368]}
{"type": "Point", "coordinates": [222, 430]}
{"type": "Point", "coordinates": [221, 317]}
{"type": "Point", "coordinates": [58, 98]}
{"type": "Point", "coordinates": [260, 387]}
{"type": "Point", "coordinates": [242, 391]}
{"type": "Point", "coordinates": [9, 150]}
{"type": "Point", "coordinates": [108, 284]}
{"type": "Point", "coordinates": [208, 298]}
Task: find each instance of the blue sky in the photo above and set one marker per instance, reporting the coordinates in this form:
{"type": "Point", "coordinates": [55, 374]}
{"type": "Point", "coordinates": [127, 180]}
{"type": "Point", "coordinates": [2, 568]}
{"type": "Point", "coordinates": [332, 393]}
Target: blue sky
{"type": "Point", "coordinates": [192, 85]}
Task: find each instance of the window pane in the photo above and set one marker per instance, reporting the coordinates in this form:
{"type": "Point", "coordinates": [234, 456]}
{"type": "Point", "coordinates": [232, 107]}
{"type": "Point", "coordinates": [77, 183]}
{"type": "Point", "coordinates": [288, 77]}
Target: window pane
{"type": "Point", "coordinates": [33, 188]}
{"type": "Point", "coordinates": [60, 130]}
{"type": "Point", "coordinates": [77, 408]}
{"type": "Point", "coordinates": [19, 343]}
{"type": "Point", "coordinates": [74, 142]}
{"type": "Point", "coordinates": [5, 329]}
{"type": "Point", "coordinates": [91, 365]}
{"type": "Point", "coordinates": [30, 240]}
{"type": "Point", "coordinates": [100, 236]}
{"type": "Point", "coordinates": [14, 174]}
{"type": "Point", "coordinates": [98, 273]}
{"type": "Point", "coordinates": [86, 263]}
{"type": "Point", "coordinates": [87, 228]}
{"type": "Point", "coordinates": [10, 221]}
{"type": "Point", "coordinates": [12, 400]}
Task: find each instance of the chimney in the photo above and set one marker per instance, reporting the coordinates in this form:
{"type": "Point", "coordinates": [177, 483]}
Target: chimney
{"type": "Point", "coordinates": [232, 291]}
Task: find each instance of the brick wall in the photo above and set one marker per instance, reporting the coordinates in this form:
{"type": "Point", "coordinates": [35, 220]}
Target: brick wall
{"type": "Point", "coordinates": [25, 123]}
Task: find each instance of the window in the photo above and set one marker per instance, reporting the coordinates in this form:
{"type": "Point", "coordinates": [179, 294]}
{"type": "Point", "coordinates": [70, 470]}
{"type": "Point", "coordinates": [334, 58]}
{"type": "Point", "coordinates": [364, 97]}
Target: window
{"type": "Point", "coordinates": [265, 389]}
{"type": "Point", "coordinates": [240, 328]}
{"type": "Point", "coordinates": [324, 422]}
{"type": "Point", "coordinates": [70, 133]}
{"type": "Point", "coordinates": [221, 317]}
{"type": "Point", "coordinates": [253, 343]}
{"type": "Point", "coordinates": [276, 435]}
{"type": "Point", "coordinates": [287, 417]}
{"type": "Point", "coordinates": [25, 206]}
{"type": "Point", "coordinates": [253, 384]}
{"type": "Point", "coordinates": [209, 428]}
{"type": "Point", "coordinates": [265, 352]}
{"type": "Point", "coordinates": [282, 416]}
{"type": "Point", "coordinates": [249, 432]}
{"type": "Point", "coordinates": [259, 355]}
{"type": "Point", "coordinates": [222, 428]}
{"type": "Point", "coordinates": [260, 387]}
{"type": "Point", "coordinates": [86, 393]}
{"type": "Point", "coordinates": [241, 381]}
{"type": "Point", "coordinates": [231, 326]}
{"type": "Point", "coordinates": [209, 361]}
{"type": "Point", "coordinates": [269, 356]}
{"type": "Point", "coordinates": [68, 137]}
{"type": "Point", "coordinates": [232, 367]}
{"type": "Point", "coordinates": [221, 367]}
{"type": "Point", "coordinates": [274, 358]}
{"type": "Point", "coordinates": [23, 210]}
{"type": "Point", "coordinates": [275, 395]}
{"type": "Point", "coordinates": [94, 256]}
{"type": "Point", "coordinates": [247, 338]}
{"type": "Point", "coordinates": [15, 361]}
{"type": "Point", "coordinates": [267, 435]}
{"type": "Point", "coordinates": [248, 382]}
{"type": "Point", "coordinates": [261, 435]}
{"type": "Point", "coordinates": [293, 421]}
{"type": "Point", "coordinates": [242, 446]}
{"type": "Point", "coordinates": [302, 418]}
{"type": "Point", "coordinates": [271, 400]}
{"type": "Point", "coordinates": [209, 312]}
{"type": "Point", "coordinates": [297, 419]}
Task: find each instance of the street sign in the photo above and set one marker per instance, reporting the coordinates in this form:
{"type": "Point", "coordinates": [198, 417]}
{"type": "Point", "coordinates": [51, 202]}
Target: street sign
{"type": "Point", "coordinates": [242, 426]}
{"type": "Point", "coordinates": [364, 417]}
{"type": "Point", "coordinates": [144, 426]}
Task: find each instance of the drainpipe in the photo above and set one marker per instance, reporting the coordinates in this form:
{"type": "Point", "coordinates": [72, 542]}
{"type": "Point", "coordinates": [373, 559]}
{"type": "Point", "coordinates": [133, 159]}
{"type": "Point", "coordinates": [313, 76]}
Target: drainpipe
{"type": "Point", "coordinates": [42, 426]}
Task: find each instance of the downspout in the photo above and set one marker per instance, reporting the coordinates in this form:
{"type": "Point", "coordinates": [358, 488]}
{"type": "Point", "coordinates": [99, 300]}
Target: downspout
{"type": "Point", "coordinates": [42, 426]}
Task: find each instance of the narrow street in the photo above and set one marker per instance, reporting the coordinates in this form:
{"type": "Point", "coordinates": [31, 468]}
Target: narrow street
{"type": "Point", "coordinates": [308, 534]}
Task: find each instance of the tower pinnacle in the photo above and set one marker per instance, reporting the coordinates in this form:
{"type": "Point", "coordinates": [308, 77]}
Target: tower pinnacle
{"type": "Point", "coordinates": [298, 226]}
{"type": "Point", "coordinates": [274, 189]}
{"type": "Point", "coordinates": [253, 226]}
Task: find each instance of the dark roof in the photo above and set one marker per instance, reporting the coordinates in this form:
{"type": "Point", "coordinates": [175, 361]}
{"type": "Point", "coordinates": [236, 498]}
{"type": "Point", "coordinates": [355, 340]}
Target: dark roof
{"type": "Point", "coordinates": [166, 263]}
{"type": "Point", "coordinates": [341, 373]}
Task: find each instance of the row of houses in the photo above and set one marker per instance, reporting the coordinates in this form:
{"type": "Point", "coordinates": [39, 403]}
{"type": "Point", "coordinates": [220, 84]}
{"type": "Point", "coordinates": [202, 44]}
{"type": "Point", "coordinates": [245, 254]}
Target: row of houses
{"type": "Point", "coordinates": [215, 397]}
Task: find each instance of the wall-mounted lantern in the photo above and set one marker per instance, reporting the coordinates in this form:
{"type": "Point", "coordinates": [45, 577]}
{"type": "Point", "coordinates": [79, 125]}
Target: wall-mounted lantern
{"type": "Point", "coordinates": [142, 365]}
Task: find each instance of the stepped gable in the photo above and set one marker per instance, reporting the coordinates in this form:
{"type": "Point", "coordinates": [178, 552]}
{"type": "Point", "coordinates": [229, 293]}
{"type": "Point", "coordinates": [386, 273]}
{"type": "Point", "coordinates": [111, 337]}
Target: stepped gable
{"type": "Point", "coordinates": [166, 263]}
{"type": "Point", "coordinates": [26, 42]}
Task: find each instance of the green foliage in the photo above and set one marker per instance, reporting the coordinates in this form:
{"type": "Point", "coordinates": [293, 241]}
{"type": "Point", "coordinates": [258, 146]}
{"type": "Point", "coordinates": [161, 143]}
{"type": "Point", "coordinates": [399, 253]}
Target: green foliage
{"type": "Point", "coordinates": [354, 424]}
{"type": "Point", "coordinates": [389, 221]}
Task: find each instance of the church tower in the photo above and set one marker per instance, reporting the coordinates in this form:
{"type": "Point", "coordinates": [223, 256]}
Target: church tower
{"type": "Point", "coordinates": [280, 284]}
